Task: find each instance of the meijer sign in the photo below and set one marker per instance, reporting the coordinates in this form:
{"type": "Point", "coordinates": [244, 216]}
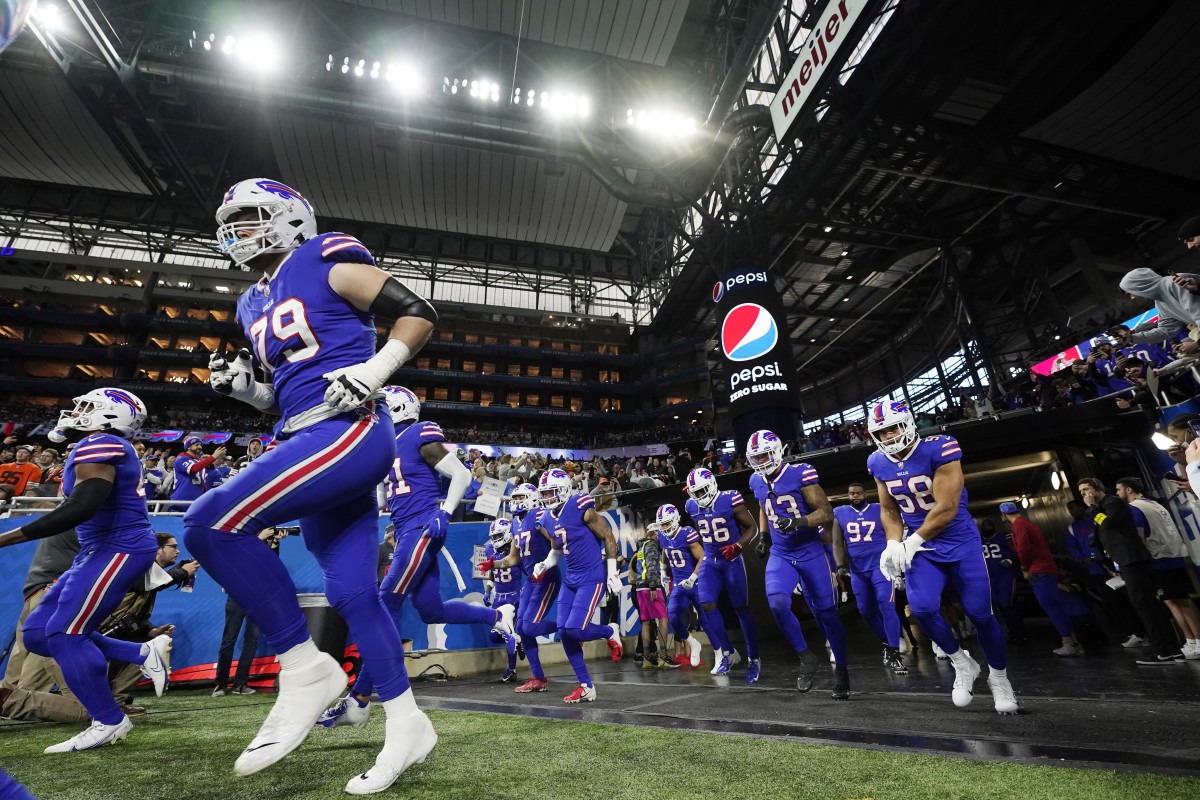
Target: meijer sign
{"type": "Point", "coordinates": [827, 37]}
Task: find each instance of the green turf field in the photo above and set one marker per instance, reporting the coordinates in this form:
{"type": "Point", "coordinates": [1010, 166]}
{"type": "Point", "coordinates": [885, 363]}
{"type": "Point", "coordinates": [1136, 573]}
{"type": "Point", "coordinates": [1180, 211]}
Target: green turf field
{"type": "Point", "coordinates": [185, 751]}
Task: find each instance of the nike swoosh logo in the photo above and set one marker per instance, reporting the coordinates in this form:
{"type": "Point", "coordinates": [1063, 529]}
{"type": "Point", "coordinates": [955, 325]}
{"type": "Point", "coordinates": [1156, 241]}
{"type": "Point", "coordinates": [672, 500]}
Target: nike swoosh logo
{"type": "Point", "coordinates": [258, 747]}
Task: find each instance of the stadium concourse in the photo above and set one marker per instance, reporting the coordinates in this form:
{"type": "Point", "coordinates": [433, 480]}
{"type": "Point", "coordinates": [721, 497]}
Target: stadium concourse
{"type": "Point", "coordinates": [599, 399]}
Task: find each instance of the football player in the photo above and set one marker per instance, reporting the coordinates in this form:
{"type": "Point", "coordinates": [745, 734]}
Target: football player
{"type": "Point", "coordinates": [503, 587]}
{"type": "Point", "coordinates": [411, 489]}
{"type": "Point", "coordinates": [311, 324]}
{"type": "Point", "coordinates": [577, 530]}
{"type": "Point", "coordinates": [106, 504]}
{"type": "Point", "coordinates": [792, 506]}
{"type": "Point", "coordinates": [1002, 570]}
{"type": "Point", "coordinates": [858, 539]}
{"type": "Point", "coordinates": [920, 484]}
{"type": "Point", "coordinates": [684, 554]}
{"type": "Point", "coordinates": [717, 514]}
{"type": "Point", "coordinates": [532, 544]}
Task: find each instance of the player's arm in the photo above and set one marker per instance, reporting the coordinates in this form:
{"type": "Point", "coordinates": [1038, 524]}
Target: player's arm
{"type": "Point", "coordinates": [93, 484]}
{"type": "Point", "coordinates": [841, 556]}
{"type": "Point", "coordinates": [369, 288]}
{"type": "Point", "coordinates": [235, 378]}
{"type": "Point", "coordinates": [511, 560]}
{"type": "Point", "coordinates": [822, 512]}
{"type": "Point", "coordinates": [698, 554]}
{"type": "Point", "coordinates": [444, 459]}
{"type": "Point", "coordinates": [889, 514]}
{"type": "Point", "coordinates": [947, 494]}
{"type": "Point", "coordinates": [600, 528]}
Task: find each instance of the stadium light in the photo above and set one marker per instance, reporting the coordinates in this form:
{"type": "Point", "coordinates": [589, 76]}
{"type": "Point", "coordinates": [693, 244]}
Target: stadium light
{"type": "Point", "coordinates": [49, 17]}
{"type": "Point", "coordinates": [1024, 502]}
{"type": "Point", "coordinates": [1055, 481]}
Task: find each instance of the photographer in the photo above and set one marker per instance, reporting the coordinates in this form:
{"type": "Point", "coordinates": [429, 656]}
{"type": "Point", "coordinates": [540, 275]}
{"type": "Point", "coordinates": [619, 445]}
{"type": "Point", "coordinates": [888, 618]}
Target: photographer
{"type": "Point", "coordinates": [234, 617]}
{"type": "Point", "coordinates": [131, 620]}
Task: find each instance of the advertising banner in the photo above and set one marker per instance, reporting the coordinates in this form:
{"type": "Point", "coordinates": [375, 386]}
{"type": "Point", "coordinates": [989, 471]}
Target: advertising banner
{"type": "Point", "coordinates": [754, 342]}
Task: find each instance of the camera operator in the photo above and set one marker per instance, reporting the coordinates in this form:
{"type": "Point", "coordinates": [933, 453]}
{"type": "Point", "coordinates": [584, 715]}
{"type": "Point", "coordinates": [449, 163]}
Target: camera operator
{"type": "Point", "coordinates": [131, 619]}
{"type": "Point", "coordinates": [234, 617]}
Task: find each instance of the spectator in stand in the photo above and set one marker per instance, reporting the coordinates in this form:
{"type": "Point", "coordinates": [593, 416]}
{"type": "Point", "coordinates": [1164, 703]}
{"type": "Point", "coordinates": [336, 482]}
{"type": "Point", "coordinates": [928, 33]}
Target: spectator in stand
{"type": "Point", "coordinates": [1038, 567]}
{"type": "Point", "coordinates": [1111, 607]}
{"type": "Point", "coordinates": [1106, 362]}
{"type": "Point", "coordinates": [154, 476]}
{"type": "Point", "coordinates": [1118, 535]}
{"type": "Point", "coordinates": [1085, 382]}
{"type": "Point", "coordinates": [189, 470]}
{"type": "Point", "coordinates": [22, 471]}
{"type": "Point", "coordinates": [1166, 545]}
{"type": "Point", "coordinates": [253, 450]}
{"type": "Point", "coordinates": [1177, 300]}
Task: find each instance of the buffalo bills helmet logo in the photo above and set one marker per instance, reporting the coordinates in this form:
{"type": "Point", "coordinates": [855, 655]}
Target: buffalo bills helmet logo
{"type": "Point", "coordinates": [277, 188]}
{"type": "Point", "coordinates": [748, 332]}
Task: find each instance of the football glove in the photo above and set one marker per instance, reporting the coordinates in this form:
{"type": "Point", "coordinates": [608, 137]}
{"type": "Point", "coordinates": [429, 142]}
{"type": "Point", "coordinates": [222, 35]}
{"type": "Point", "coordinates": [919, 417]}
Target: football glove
{"type": "Point", "coordinates": [487, 566]}
{"type": "Point", "coordinates": [891, 560]}
{"type": "Point", "coordinates": [689, 581]}
{"type": "Point", "coordinates": [731, 551]}
{"type": "Point", "coordinates": [785, 524]}
{"type": "Point", "coordinates": [236, 379]}
{"type": "Point", "coordinates": [489, 593]}
{"type": "Point", "coordinates": [762, 548]}
{"type": "Point", "coordinates": [1006, 562]}
{"type": "Point", "coordinates": [539, 571]}
{"type": "Point", "coordinates": [912, 545]}
{"type": "Point", "coordinates": [350, 387]}
{"type": "Point", "coordinates": [437, 526]}
{"type": "Point", "coordinates": [843, 573]}
{"type": "Point", "coordinates": [614, 578]}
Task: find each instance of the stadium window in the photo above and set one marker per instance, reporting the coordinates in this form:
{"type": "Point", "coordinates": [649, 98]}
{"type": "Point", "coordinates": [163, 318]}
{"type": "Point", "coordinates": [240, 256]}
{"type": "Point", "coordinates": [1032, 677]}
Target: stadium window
{"type": "Point", "coordinates": [514, 369]}
{"type": "Point", "coordinates": [471, 338]}
{"type": "Point", "coordinates": [441, 393]}
{"type": "Point", "coordinates": [220, 316]}
{"type": "Point", "coordinates": [577, 404]}
{"type": "Point", "coordinates": [534, 370]}
{"type": "Point", "coordinates": [610, 404]}
{"type": "Point", "coordinates": [490, 340]}
{"type": "Point", "coordinates": [512, 399]}
{"type": "Point", "coordinates": [210, 343]}
{"type": "Point", "coordinates": [556, 372]}
{"type": "Point", "coordinates": [466, 395]}
{"type": "Point", "coordinates": [420, 392]}
{"type": "Point", "coordinates": [535, 343]}
{"type": "Point", "coordinates": [197, 313]}
{"type": "Point", "coordinates": [486, 398]}
{"type": "Point", "coordinates": [556, 345]}
{"type": "Point", "coordinates": [514, 342]}
{"type": "Point", "coordinates": [614, 350]}
{"type": "Point", "coordinates": [443, 363]}
{"type": "Point", "coordinates": [170, 311]}
{"type": "Point", "coordinates": [532, 399]}
{"type": "Point", "coordinates": [603, 376]}
{"type": "Point", "coordinates": [489, 369]}
{"type": "Point", "coordinates": [576, 347]}
{"type": "Point", "coordinates": [674, 401]}
{"type": "Point", "coordinates": [576, 374]}
{"type": "Point", "coordinates": [614, 376]}
{"type": "Point", "coordinates": [556, 401]}
{"type": "Point", "coordinates": [446, 336]}
{"type": "Point", "coordinates": [468, 366]}
{"type": "Point", "coordinates": [423, 362]}
{"type": "Point", "coordinates": [46, 369]}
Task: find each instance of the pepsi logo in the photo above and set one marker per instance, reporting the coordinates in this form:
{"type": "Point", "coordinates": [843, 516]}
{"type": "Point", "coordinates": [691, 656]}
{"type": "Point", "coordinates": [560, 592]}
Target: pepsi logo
{"type": "Point", "coordinates": [718, 291]}
{"type": "Point", "coordinates": [749, 331]}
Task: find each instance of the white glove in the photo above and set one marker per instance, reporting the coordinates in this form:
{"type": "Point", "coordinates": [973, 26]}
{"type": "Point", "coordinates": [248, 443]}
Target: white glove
{"type": "Point", "coordinates": [689, 581]}
{"type": "Point", "coordinates": [350, 387]}
{"type": "Point", "coordinates": [614, 578]}
{"type": "Point", "coordinates": [891, 560]}
{"type": "Point", "coordinates": [236, 379]}
{"type": "Point", "coordinates": [912, 545]}
{"type": "Point", "coordinates": [539, 569]}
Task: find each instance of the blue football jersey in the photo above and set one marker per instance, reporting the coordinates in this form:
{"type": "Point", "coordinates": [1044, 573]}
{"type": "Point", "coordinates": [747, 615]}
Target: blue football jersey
{"type": "Point", "coordinates": [862, 528]}
{"type": "Point", "coordinates": [997, 548]}
{"type": "Point", "coordinates": [781, 497]}
{"type": "Point", "coordinates": [300, 329]}
{"type": "Point", "coordinates": [189, 481]}
{"type": "Point", "coordinates": [910, 483]}
{"type": "Point", "coordinates": [582, 552]}
{"type": "Point", "coordinates": [678, 550]}
{"type": "Point", "coordinates": [507, 579]}
{"type": "Point", "coordinates": [716, 524]}
{"type": "Point", "coordinates": [412, 488]}
{"type": "Point", "coordinates": [531, 545]}
{"type": "Point", "coordinates": [122, 523]}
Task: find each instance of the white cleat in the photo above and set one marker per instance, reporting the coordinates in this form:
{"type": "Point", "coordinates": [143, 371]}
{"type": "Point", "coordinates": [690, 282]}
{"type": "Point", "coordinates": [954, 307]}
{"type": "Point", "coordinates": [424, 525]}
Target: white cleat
{"type": "Point", "coordinates": [346, 711]}
{"type": "Point", "coordinates": [720, 663]}
{"type": "Point", "coordinates": [505, 623]}
{"type": "Point", "coordinates": [939, 652]}
{"type": "Point", "coordinates": [966, 670]}
{"type": "Point", "coordinates": [157, 666]}
{"type": "Point", "coordinates": [408, 741]}
{"type": "Point", "coordinates": [96, 736]}
{"type": "Point", "coordinates": [735, 658]}
{"type": "Point", "coordinates": [693, 650]}
{"type": "Point", "coordinates": [1069, 650]}
{"type": "Point", "coordinates": [1002, 693]}
{"type": "Point", "coordinates": [304, 694]}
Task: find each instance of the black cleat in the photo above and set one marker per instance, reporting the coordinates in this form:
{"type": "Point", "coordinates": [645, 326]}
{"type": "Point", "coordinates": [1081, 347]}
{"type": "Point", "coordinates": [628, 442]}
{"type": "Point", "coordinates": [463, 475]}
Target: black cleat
{"type": "Point", "coordinates": [520, 650]}
{"type": "Point", "coordinates": [894, 661]}
{"type": "Point", "coordinates": [841, 682]}
{"type": "Point", "coordinates": [809, 664]}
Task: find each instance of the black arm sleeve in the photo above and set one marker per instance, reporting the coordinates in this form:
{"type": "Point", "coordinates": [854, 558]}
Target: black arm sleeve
{"type": "Point", "coordinates": [84, 502]}
{"type": "Point", "coordinates": [395, 300]}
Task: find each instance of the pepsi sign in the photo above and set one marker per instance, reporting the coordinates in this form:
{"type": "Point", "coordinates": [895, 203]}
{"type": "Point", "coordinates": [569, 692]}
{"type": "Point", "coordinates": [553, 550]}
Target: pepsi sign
{"type": "Point", "coordinates": [748, 332]}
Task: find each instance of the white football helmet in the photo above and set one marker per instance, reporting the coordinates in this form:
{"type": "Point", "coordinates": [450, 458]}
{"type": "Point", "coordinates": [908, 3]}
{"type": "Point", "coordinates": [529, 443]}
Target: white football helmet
{"type": "Point", "coordinates": [702, 487]}
{"type": "Point", "coordinates": [885, 415]}
{"type": "Point", "coordinates": [501, 535]}
{"type": "Point", "coordinates": [403, 404]}
{"type": "Point", "coordinates": [554, 488]}
{"type": "Point", "coordinates": [109, 410]}
{"type": "Point", "coordinates": [764, 451]}
{"type": "Point", "coordinates": [667, 519]}
{"type": "Point", "coordinates": [524, 497]}
{"type": "Point", "coordinates": [284, 220]}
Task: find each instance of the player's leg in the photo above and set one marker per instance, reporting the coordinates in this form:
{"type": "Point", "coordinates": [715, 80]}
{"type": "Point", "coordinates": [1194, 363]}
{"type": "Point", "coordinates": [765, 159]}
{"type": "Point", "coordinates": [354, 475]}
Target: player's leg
{"type": "Point", "coordinates": [11, 790]}
{"type": "Point", "coordinates": [708, 591]}
{"type": "Point", "coordinates": [781, 579]}
{"type": "Point", "coordinates": [425, 592]}
{"type": "Point", "coordinates": [924, 583]}
{"type": "Point", "coordinates": [535, 621]}
{"type": "Point", "coordinates": [969, 576]}
{"type": "Point", "coordinates": [568, 597]}
{"type": "Point", "coordinates": [579, 623]}
{"type": "Point", "coordinates": [884, 592]}
{"type": "Point", "coordinates": [1045, 589]}
{"type": "Point", "coordinates": [820, 591]}
{"type": "Point", "coordinates": [1003, 585]}
{"type": "Point", "coordinates": [868, 603]}
{"type": "Point", "coordinates": [739, 596]}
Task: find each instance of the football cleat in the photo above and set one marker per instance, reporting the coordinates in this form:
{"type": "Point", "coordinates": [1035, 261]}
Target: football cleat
{"type": "Point", "coordinates": [504, 625]}
{"type": "Point", "coordinates": [157, 666]}
{"type": "Point", "coordinates": [347, 711]}
{"type": "Point", "coordinates": [304, 694]}
{"type": "Point", "coordinates": [753, 668]}
{"type": "Point", "coordinates": [939, 652]}
{"type": "Point", "coordinates": [520, 650]}
{"type": "Point", "coordinates": [1069, 650]}
{"type": "Point", "coordinates": [1134, 641]}
{"type": "Point", "coordinates": [693, 650]}
{"type": "Point", "coordinates": [735, 658]}
{"type": "Point", "coordinates": [809, 664]}
{"type": "Point", "coordinates": [615, 648]}
{"type": "Point", "coordinates": [532, 685]}
{"type": "Point", "coordinates": [722, 665]}
{"type": "Point", "coordinates": [408, 741]}
{"type": "Point", "coordinates": [509, 676]}
{"type": "Point", "coordinates": [1002, 693]}
{"type": "Point", "coordinates": [894, 661]}
{"type": "Point", "coordinates": [966, 670]}
{"type": "Point", "coordinates": [582, 694]}
{"type": "Point", "coordinates": [96, 736]}
{"type": "Point", "coordinates": [841, 682]}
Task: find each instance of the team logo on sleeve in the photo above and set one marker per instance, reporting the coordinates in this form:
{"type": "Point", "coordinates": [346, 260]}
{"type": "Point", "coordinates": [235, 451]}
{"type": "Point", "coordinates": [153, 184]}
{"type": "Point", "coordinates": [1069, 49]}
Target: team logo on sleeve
{"type": "Point", "coordinates": [749, 331]}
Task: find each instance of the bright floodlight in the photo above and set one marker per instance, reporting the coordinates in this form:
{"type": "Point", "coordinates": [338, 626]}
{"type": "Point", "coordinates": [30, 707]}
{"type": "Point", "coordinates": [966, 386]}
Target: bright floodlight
{"type": "Point", "coordinates": [227, 48]}
{"type": "Point", "coordinates": [260, 53]}
{"type": "Point", "coordinates": [48, 16]}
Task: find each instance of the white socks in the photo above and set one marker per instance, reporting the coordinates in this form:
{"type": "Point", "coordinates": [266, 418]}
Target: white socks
{"type": "Point", "coordinates": [403, 706]}
{"type": "Point", "coordinates": [997, 673]}
{"type": "Point", "coordinates": [298, 655]}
